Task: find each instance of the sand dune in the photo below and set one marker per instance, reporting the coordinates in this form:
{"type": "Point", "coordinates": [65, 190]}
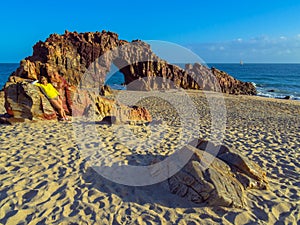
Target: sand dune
{"type": "Point", "coordinates": [45, 179]}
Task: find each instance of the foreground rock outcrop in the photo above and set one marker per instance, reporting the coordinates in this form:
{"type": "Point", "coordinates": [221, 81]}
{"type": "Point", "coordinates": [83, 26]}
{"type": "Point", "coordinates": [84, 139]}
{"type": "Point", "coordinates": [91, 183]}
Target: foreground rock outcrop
{"type": "Point", "coordinates": [91, 105]}
{"type": "Point", "coordinates": [82, 60]}
{"type": "Point", "coordinates": [216, 176]}
{"type": "Point", "coordinates": [24, 100]}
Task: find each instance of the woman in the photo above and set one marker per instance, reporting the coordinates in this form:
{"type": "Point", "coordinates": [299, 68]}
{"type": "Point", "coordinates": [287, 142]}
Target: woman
{"type": "Point", "coordinates": [53, 96]}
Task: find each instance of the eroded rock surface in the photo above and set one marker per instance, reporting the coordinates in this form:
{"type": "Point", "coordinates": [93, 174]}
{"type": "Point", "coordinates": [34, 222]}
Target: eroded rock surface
{"type": "Point", "coordinates": [230, 85]}
{"type": "Point", "coordinates": [217, 178]}
{"type": "Point", "coordinates": [24, 100]}
{"type": "Point", "coordinates": [82, 60]}
{"type": "Point", "coordinates": [92, 105]}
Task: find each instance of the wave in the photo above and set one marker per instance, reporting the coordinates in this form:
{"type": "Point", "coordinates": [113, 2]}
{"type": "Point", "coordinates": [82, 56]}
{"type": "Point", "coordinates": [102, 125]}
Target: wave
{"type": "Point", "coordinates": [278, 96]}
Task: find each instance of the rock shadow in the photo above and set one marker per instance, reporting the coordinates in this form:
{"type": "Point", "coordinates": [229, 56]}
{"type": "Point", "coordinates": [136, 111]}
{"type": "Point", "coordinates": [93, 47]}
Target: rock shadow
{"type": "Point", "coordinates": [212, 177]}
{"type": "Point", "coordinates": [158, 193]}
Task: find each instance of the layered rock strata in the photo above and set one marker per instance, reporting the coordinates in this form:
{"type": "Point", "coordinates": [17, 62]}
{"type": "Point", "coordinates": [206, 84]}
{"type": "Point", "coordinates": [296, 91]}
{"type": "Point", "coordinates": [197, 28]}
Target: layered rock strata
{"type": "Point", "coordinates": [217, 176]}
{"type": "Point", "coordinates": [82, 60]}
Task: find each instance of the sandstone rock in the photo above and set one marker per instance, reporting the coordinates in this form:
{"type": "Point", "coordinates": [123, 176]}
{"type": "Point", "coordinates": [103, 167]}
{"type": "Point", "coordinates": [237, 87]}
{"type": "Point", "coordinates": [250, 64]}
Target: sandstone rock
{"type": "Point", "coordinates": [247, 172]}
{"type": "Point", "coordinates": [83, 60]}
{"type": "Point", "coordinates": [120, 113]}
{"type": "Point", "coordinates": [25, 101]}
{"type": "Point", "coordinates": [231, 85]}
{"type": "Point", "coordinates": [216, 177]}
{"type": "Point", "coordinates": [105, 90]}
{"type": "Point", "coordinates": [209, 147]}
{"type": "Point", "coordinates": [214, 186]}
{"type": "Point", "coordinates": [65, 90]}
{"type": "Point", "coordinates": [72, 53]}
{"type": "Point", "coordinates": [90, 104]}
{"type": "Point", "coordinates": [203, 76]}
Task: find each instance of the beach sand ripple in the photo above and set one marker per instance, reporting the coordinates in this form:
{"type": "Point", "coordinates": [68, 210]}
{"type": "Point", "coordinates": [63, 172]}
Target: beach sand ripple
{"type": "Point", "coordinates": [45, 179]}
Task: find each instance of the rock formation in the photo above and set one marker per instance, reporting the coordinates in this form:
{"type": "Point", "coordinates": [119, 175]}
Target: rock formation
{"type": "Point", "coordinates": [91, 104]}
{"type": "Point", "coordinates": [230, 85]}
{"type": "Point", "coordinates": [218, 182]}
{"type": "Point", "coordinates": [105, 90]}
{"type": "Point", "coordinates": [82, 60]}
{"type": "Point", "coordinates": [24, 100]}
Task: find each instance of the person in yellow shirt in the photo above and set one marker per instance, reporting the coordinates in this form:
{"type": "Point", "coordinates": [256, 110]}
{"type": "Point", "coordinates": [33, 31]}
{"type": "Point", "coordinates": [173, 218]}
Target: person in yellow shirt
{"type": "Point", "coordinates": [53, 95]}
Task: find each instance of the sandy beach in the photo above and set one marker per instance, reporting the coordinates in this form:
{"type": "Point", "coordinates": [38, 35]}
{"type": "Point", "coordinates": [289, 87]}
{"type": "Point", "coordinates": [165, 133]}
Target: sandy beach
{"type": "Point", "coordinates": [45, 179]}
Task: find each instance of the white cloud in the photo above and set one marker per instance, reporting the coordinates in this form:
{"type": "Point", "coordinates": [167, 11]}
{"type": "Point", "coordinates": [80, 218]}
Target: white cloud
{"type": "Point", "coordinates": [258, 49]}
{"type": "Point", "coordinates": [284, 52]}
{"type": "Point", "coordinates": [283, 38]}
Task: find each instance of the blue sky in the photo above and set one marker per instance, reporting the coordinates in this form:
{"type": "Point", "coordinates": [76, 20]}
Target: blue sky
{"type": "Point", "coordinates": [218, 31]}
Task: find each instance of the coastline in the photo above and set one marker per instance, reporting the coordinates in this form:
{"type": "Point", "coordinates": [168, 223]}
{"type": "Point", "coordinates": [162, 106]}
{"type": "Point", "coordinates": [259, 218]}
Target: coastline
{"type": "Point", "coordinates": [44, 177]}
{"type": "Point", "coordinates": [236, 70]}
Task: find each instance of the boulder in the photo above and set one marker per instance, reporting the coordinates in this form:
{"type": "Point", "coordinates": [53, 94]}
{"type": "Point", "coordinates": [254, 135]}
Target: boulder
{"type": "Point", "coordinates": [216, 179]}
{"type": "Point", "coordinates": [247, 172]}
{"type": "Point", "coordinates": [25, 101]}
{"type": "Point", "coordinates": [90, 104]}
{"type": "Point", "coordinates": [250, 174]}
{"type": "Point", "coordinates": [214, 185]}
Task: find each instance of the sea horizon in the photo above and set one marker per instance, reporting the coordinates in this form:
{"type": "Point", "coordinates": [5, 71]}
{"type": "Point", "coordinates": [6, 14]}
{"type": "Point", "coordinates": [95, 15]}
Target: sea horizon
{"type": "Point", "coordinates": [272, 80]}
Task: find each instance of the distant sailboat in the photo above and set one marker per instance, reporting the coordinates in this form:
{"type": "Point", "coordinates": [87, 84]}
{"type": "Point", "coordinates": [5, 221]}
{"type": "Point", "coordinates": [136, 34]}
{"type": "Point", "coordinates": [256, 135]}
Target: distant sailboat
{"type": "Point", "coordinates": [241, 62]}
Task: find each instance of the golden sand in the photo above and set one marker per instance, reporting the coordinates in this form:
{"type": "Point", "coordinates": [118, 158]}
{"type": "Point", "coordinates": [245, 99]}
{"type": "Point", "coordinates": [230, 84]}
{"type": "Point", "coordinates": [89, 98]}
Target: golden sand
{"type": "Point", "coordinates": [44, 177]}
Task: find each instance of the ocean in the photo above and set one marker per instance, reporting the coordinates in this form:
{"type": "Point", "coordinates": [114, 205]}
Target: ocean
{"type": "Point", "coordinates": [271, 80]}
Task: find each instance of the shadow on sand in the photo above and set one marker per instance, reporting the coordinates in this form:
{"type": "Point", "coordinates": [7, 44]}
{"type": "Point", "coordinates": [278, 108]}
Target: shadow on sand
{"type": "Point", "coordinates": [151, 194]}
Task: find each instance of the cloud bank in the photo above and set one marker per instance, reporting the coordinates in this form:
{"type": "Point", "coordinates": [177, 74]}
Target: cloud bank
{"type": "Point", "coordinates": [260, 50]}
